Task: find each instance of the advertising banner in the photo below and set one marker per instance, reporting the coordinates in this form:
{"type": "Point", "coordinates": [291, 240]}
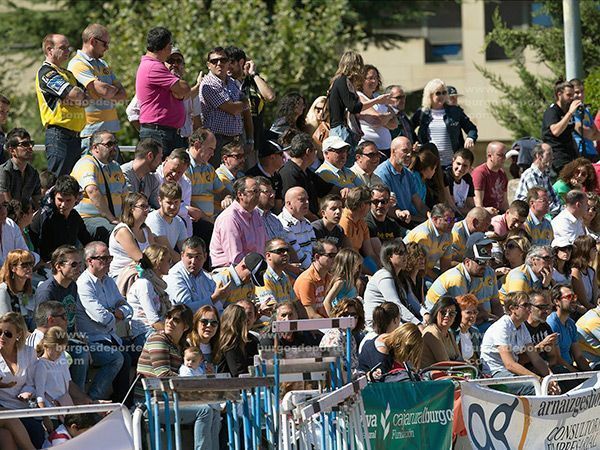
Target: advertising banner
{"type": "Point", "coordinates": [409, 415]}
{"type": "Point", "coordinates": [500, 421]}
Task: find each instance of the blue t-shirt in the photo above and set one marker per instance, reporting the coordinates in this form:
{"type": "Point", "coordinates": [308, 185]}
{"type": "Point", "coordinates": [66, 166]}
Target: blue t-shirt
{"type": "Point", "coordinates": [568, 335]}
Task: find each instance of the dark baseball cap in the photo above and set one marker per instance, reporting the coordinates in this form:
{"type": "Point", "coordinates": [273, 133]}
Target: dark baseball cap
{"type": "Point", "coordinates": [270, 145]}
{"type": "Point", "coordinates": [257, 266]}
{"type": "Point", "coordinates": [478, 248]}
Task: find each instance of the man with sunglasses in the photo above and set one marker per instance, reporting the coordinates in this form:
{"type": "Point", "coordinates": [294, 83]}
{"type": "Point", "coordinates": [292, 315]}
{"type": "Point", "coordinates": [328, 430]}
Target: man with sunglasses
{"type": "Point", "coordinates": [381, 227]}
{"type": "Point", "coordinates": [565, 302]}
{"type": "Point", "coordinates": [333, 169]}
{"type": "Point", "coordinates": [472, 276]}
{"type": "Point", "coordinates": [367, 160]}
{"type": "Point", "coordinates": [18, 178]}
{"type": "Point", "coordinates": [160, 93]}
{"type": "Point", "coordinates": [99, 80]}
{"type": "Point", "coordinates": [104, 186]}
{"type": "Point", "coordinates": [542, 335]}
{"type": "Point", "coordinates": [100, 306]}
{"type": "Point", "coordinates": [277, 288]}
{"type": "Point", "coordinates": [60, 99]}
{"type": "Point", "coordinates": [222, 103]}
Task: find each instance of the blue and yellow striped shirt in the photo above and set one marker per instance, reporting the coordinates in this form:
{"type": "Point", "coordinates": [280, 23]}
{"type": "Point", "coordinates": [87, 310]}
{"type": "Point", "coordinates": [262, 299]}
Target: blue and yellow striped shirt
{"type": "Point", "coordinates": [205, 185]}
{"type": "Point", "coordinates": [540, 230]}
{"type": "Point", "coordinates": [435, 245]}
{"type": "Point", "coordinates": [520, 278]}
{"type": "Point", "coordinates": [457, 281]}
{"type": "Point", "coordinates": [342, 178]}
{"type": "Point", "coordinates": [460, 235]}
{"type": "Point", "coordinates": [277, 287]}
{"type": "Point", "coordinates": [90, 172]}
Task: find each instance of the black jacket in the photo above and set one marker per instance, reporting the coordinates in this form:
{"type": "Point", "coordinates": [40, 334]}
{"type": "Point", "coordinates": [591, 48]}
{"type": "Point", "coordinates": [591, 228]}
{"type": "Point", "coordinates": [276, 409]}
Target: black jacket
{"type": "Point", "coordinates": [456, 122]}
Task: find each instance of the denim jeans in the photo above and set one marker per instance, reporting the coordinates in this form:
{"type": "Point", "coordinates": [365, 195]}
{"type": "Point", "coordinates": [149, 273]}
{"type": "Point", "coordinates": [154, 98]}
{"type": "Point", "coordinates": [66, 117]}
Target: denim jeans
{"type": "Point", "coordinates": [345, 134]}
{"type": "Point", "coordinates": [207, 424]}
{"type": "Point", "coordinates": [167, 138]}
{"type": "Point", "coordinates": [63, 150]}
{"type": "Point", "coordinates": [109, 361]}
{"type": "Point", "coordinates": [516, 388]}
{"type": "Point", "coordinates": [99, 228]}
{"type": "Point", "coordinates": [81, 361]}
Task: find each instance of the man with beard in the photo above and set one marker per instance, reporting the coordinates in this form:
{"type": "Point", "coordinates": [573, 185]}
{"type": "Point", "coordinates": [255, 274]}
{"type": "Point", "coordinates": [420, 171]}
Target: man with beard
{"type": "Point", "coordinates": [278, 287]}
{"type": "Point", "coordinates": [57, 222]}
{"type": "Point", "coordinates": [473, 276]}
{"type": "Point", "coordinates": [559, 123]}
{"type": "Point", "coordinates": [139, 172]}
{"type": "Point", "coordinates": [565, 301]}
{"type": "Point", "coordinates": [168, 228]}
{"type": "Point", "coordinates": [381, 227]}
{"type": "Point", "coordinates": [18, 178]}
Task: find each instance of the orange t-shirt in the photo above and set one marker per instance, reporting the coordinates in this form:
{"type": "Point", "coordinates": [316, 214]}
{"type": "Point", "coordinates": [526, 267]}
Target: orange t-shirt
{"type": "Point", "coordinates": [310, 289]}
{"type": "Point", "coordinates": [357, 231]}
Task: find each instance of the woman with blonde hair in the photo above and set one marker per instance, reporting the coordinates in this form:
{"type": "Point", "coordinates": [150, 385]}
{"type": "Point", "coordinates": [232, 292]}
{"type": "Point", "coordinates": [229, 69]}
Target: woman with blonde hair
{"type": "Point", "coordinates": [344, 103]}
{"type": "Point", "coordinates": [205, 332]}
{"type": "Point", "coordinates": [345, 272]}
{"type": "Point", "coordinates": [17, 363]}
{"type": "Point", "coordinates": [442, 123]}
{"type": "Point", "coordinates": [16, 293]}
{"type": "Point", "coordinates": [236, 346]}
{"type": "Point", "coordinates": [131, 236]}
{"type": "Point", "coordinates": [405, 344]}
{"type": "Point", "coordinates": [147, 295]}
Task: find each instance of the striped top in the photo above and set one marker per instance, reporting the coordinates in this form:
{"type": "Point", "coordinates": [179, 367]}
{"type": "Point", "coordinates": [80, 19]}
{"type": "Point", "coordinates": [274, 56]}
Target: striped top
{"type": "Point", "coordinates": [205, 184]}
{"type": "Point", "coordinates": [277, 287]}
{"type": "Point", "coordinates": [342, 178]}
{"type": "Point", "coordinates": [460, 236]}
{"type": "Point", "coordinates": [237, 290]}
{"type": "Point", "coordinates": [440, 137]}
{"type": "Point", "coordinates": [520, 278]}
{"type": "Point", "coordinates": [587, 328]}
{"type": "Point", "coordinates": [435, 245]}
{"type": "Point", "coordinates": [160, 358]}
{"type": "Point", "coordinates": [100, 114]}
{"type": "Point", "coordinates": [89, 172]}
{"type": "Point", "coordinates": [457, 281]}
{"type": "Point", "coordinates": [300, 235]}
{"type": "Point", "coordinates": [540, 230]}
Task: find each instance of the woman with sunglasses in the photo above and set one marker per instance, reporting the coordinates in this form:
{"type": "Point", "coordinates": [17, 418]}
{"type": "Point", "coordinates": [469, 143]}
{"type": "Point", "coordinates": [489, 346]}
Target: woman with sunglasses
{"type": "Point", "coordinates": [515, 250]}
{"type": "Point", "coordinates": [591, 219]}
{"type": "Point", "coordinates": [443, 124]}
{"type": "Point", "coordinates": [387, 285]}
{"type": "Point", "coordinates": [17, 361]}
{"type": "Point", "coordinates": [584, 280]}
{"type": "Point", "coordinates": [317, 122]}
{"type": "Point", "coordinates": [205, 333]}
{"type": "Point", "coordinates": [561, 250]}
{"type": "Point", "coordinates": [16, 293]}
{"type": "Point", "coordinates": [131, 236]}
{"type": "Point", "coordinates": [439, 343]}
{"type": "Point", "coordinates": [162, 357]}
{"type": "Point", "coordinates": [578, 174]}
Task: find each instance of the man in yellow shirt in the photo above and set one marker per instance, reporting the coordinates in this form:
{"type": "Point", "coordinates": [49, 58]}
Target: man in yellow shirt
{"type": "Point", "coordinates": [60, 98]}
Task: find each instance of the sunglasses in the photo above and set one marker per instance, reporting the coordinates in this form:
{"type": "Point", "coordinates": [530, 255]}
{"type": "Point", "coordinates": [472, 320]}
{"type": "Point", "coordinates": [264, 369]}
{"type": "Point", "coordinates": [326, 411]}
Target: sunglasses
{"type": "Point", "coordinates": [25, 144]}
{"type": "Point", "coordinates": [546, 258]}
{"type": "Point", "coordinates": [569, 297]}
{"type": "Point", "coordinates": [384, 201]}
{"type": "Point", "coordinates": [6, 333]}
{"type": "Point", "coordinates": [209, 322]}
{"type": "Point", "coordinates": [449, 313]}
{"type": "Point", "coordinates": [543, 307]}
{"type": "Point", "coordinates": [237, 155]}
{"type": "Point", "coordinates": [216, 61]}
{"type": "Point", "coordinates": [280, 251]}
{"type": "Point", "coordinates": [374, 155]}
{"type": "Point", "coordinates": [102, 258]}
{"type": "Point", "coordinates": [26, 265]}
{"type": "Point", "coordinates": [439, 93]}
{"type": "Point", "coordinates": [525, 305]}
{"type": "Point", "coordinates": [512, 245]}
{"type": "Point", "coordinates": [72, 264]}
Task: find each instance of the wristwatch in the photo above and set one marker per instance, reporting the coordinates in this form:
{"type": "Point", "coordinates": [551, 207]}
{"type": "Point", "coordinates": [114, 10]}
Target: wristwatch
{"type": "Point", "coordinates": [256, 74]}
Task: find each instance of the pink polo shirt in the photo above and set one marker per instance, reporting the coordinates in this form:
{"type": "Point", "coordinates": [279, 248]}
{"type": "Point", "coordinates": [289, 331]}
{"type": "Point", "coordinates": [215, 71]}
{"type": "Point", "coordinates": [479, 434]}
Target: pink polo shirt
{"type": "Point", "coordinates": [153, 89]}
{"type": "Point", "coordinates": [237, 232]}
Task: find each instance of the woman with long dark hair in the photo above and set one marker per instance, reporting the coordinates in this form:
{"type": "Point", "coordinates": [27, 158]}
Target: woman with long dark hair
{"type": "Point", "coordinates": [439, 343]}
{"type": "Point", "coordinates": [386, 284]}
{"type": "Point", "coordinates": [584, 280]}
{"type": "Point", "coordinates": [290, 114]}
{"type": "Point", "coordinates": [578, 174]}
{"type": "Point", "coordinates": [372, 350]}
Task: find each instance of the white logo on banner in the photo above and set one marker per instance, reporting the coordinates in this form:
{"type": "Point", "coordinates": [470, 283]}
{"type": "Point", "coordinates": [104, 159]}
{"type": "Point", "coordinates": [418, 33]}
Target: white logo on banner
{"type": "Point", "coordinates": [384, 421]}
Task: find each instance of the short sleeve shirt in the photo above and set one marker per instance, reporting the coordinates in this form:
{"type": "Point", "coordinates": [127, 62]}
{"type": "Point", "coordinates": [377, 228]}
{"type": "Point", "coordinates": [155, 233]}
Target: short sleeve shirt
{"type": "Point", "coordinates": [493, 185]}
{"type": "Point", "coordinates": [502, 333]}
{"type": "Point", "coordinates": [336, 234]}
{"type": "Point", "coordinates": [356, 231]}
{"type": "Point", "coordinates": [174, 232]}
{"type": "Point", "coordinates": [386, 230]}
{"type": "Point", "coordinates": [213, 93]}
{"type": "Point", "coordinates": [567, 335]}
{"type": "Point", "coordinates": [310, 289]}
{"type": "Point", "coordinates": [563, 146]}
{"type": "Point", "coordinates": [462, 190]}
{"type": "Point", "coordinates": [153, 89]}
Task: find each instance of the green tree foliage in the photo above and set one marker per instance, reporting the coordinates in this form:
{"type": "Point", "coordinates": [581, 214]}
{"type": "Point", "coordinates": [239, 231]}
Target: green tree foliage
{"type": "Point", "coordinates": [522, 106]}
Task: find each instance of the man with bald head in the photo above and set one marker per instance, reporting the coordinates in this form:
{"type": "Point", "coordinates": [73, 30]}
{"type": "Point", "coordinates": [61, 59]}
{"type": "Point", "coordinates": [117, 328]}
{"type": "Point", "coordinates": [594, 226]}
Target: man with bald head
{"type": "Point", "coordinates": [490, 181]}
{"type": "Point", "coordinates": [478, 220]}
{"type": "Point", "coordinates": [60, 98]}
{"type": "Point", "coordinates": [300, 233]}
{"type": "Point", "coordinates": [397, 176]}
{"type": "Point", "coordinates": [99, 80]}
{"type": "Point", "coordinates": [239, 229]}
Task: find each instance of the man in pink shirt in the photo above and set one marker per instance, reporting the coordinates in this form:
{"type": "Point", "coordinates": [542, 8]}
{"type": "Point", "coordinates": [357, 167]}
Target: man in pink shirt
{"type": "Point", "coordinates": [160, 93]}
{"type": "Point", "coordinates": [514, 218]}
{"type": "Point", "coordinates": [490, 181]}
{"type": "Point", "coordinates": [239, 229]}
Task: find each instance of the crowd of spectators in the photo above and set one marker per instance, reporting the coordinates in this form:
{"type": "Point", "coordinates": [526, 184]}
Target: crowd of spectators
{"type": "Point", "coordinates": [171, 264]}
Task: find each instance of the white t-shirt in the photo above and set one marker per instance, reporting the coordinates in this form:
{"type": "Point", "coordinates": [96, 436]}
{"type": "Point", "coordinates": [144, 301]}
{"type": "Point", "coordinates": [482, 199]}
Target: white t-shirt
{"type": "Point", "coordinates": [380, 136]}
{"type": "Point", "coordinates": [174, 232]}
{"type": "Point", "coordinates": [502, 332]}
{"type": "Point", "coordinates": [145, 303]}
{"type": "Point", "coordinates": [120, 257]}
